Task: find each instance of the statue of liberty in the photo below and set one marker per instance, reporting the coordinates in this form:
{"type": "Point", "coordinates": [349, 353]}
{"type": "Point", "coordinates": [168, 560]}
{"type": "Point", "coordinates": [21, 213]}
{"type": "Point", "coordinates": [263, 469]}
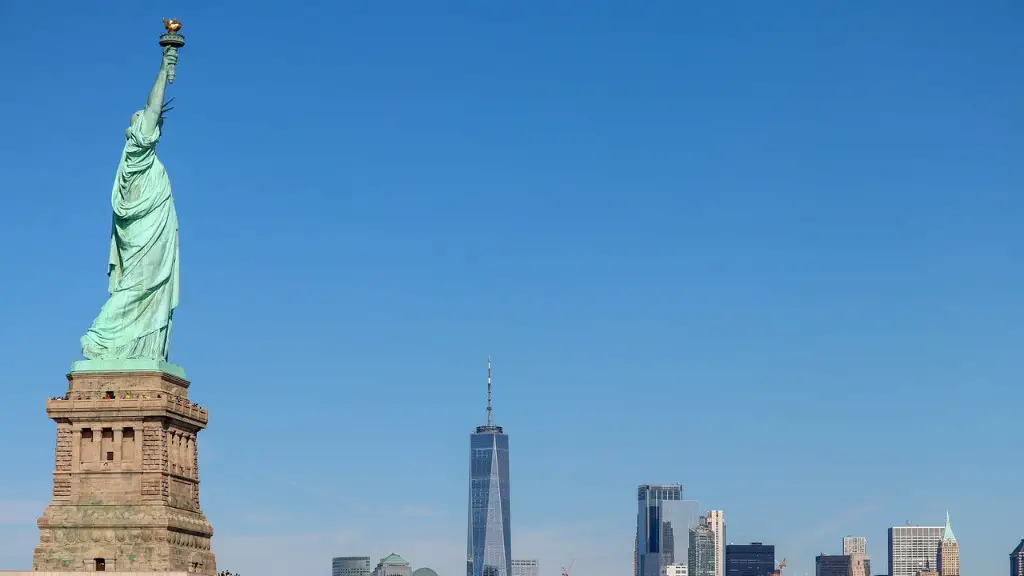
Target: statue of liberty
{"type": "Point", "coordinates": [135, 322]}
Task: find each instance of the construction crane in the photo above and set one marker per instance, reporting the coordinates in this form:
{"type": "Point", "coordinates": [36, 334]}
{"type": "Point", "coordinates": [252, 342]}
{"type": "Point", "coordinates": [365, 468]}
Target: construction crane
{"type": "Point", "coordinates": [565, 571]}
{"type": "Point", "coordinates": [782, 566]}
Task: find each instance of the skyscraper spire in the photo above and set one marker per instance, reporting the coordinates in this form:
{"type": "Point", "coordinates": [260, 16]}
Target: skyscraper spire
{"type": "Point", "coordinates": [947, 532]}
{"type": "Point", "coordinates": [488, 544]}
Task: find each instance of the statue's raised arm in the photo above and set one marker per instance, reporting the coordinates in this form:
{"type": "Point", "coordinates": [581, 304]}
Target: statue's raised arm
{"type": "Point", "coordinates": [153, 112]}
{"type": "Point", "coordinates": [135, 322]}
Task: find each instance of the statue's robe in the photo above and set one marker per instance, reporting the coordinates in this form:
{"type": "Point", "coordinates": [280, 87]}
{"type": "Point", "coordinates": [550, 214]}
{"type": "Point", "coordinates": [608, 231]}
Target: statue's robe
{"type": "Point", "coordinates": [143, 267]}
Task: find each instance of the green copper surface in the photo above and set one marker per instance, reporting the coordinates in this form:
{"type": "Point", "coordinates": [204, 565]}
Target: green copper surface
{"type": "Point", "coordinates": [135, 322]}
{"type": "Point", "coordinates": [947, 531]}
{"type": "Point", "coordinates": [393, 559]}
{"type": "Point", "coordinates": [128, 365]}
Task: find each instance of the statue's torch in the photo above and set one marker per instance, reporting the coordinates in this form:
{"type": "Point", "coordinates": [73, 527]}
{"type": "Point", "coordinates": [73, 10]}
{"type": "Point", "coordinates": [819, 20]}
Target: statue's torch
{"type": "Point", "coordinates": [173, 40]}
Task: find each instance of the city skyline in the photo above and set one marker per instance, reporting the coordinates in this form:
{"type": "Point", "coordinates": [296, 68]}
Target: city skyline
{"type": "Point", "coordinates": [693, 235]}
{"type": "Point", "coordinates": [848, 559]}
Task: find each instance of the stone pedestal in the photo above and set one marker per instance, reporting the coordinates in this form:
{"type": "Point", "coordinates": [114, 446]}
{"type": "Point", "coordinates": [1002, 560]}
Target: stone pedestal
{"type": "Point", "coordinates": [126, 481]}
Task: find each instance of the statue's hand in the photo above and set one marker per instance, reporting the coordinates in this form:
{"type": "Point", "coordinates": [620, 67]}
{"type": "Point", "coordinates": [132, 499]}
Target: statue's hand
{"type": "Point", "coordinates": [170, 58]}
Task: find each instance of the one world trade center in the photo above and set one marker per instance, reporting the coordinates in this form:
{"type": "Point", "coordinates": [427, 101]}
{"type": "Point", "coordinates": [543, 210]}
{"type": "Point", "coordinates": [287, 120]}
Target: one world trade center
{"type": "Point", "coordinates": [489, 543]}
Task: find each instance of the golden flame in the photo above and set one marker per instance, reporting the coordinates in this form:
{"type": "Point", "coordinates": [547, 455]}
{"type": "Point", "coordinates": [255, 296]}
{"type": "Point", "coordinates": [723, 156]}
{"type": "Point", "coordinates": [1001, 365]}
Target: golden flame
{"type": "Point", "coordinates": [172, 25]}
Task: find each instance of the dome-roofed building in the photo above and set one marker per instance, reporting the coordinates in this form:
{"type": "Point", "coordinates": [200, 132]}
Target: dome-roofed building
{"type": "Point", "coordinates": [392, 565]}
{"type": "Point", "coordinates": [424, 572]}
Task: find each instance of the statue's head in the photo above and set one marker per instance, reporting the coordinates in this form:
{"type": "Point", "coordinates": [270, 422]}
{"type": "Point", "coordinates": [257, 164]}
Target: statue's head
{"type": "Point", "coordinates": [137, 116]}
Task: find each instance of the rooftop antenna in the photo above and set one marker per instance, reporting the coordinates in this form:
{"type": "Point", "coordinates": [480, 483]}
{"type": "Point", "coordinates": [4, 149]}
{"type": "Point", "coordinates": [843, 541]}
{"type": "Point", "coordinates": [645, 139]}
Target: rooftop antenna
{"type": "Point", "coordinates": [488, 390]}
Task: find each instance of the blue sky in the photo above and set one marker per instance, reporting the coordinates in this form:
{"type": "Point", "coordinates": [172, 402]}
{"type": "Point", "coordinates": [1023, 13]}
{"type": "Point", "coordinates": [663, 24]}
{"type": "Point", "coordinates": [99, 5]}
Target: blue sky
{"type": "Point", "coordinates": [768, 250]}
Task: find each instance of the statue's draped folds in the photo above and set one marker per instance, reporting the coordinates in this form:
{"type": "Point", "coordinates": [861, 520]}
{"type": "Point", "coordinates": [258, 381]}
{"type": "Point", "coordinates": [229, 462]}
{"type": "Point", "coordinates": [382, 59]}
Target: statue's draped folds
{"type": "Point", "coordinates": [135, 322]}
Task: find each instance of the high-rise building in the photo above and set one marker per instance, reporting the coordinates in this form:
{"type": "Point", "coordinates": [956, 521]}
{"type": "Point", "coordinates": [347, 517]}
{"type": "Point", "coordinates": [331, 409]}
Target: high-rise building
{"type": "Point", "coordinates": [687, 518]}
{"type": "Point", "coordinates": [392, 565]}
{"type": "Point", "coordinates": [949, 552]}
{"type": "Point", "coordinates": [663, 524]}
{"type": "Point", "coordinates": [350, 566]}
{"type": "Point", "coordinates": [701, 550]}
{"type": "Point", "coordinates": [489, 542]}
{"type": "Point", "coordinates": [854, 544]}
{"type": "Point", "coordinates": [856, 547]}
{"type": "Point", "coordinates": [860, 565]}
{"type": "Point", "coordinates": [754, 559]}
{"type": "Point", "coordinates": [525, 568]}
{"type": "Point", "coordinates": [636, 554]}
{"type": "Point", "coordinates": [913, 549]}
{"type": "Point", "coordinates": [675, 570]}
{"type": "Point", "coordinates": [716, 521]}
{"type": "Point", "coordinates": [1017, 560]}
{"type": "Point", "coordinates": [832, 565]}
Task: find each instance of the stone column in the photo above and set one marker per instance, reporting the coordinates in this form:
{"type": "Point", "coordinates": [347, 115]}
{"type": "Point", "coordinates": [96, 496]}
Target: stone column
{"type": "Point", "coordinates": [183, 451]}
{"type": "Point", "coordinates": [76, 448]}
{"type": "Point", "coordinates": [190, 451]}
{"type": "Point", "coordinates": [172, 459]}
{"type": "Point", "coordinates": [118, 443]}
{"type": "Point", "coordinates": [178, 460]}
{"type": "Point", "coordinates": [177, 451]}
{"type": "Point", "coordinates": [97, 445]}
{"type": "Point", "coordinates": [195, 469]}
{"type": "Point", "coordinates": [182, 465]}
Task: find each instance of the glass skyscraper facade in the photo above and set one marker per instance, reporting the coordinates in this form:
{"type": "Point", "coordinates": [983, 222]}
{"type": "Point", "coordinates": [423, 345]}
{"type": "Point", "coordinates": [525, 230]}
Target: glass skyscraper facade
{"type": "Point", "coordinates": [754, 559]}
{"type": "Point", "coordinates": [489, 546]}
{"type": "Point", "coordinates": [350, 566]}
{"type": "Point", "coordinates": [832, 565]}
{"type": "Point", "coordinates": [663, 523]}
